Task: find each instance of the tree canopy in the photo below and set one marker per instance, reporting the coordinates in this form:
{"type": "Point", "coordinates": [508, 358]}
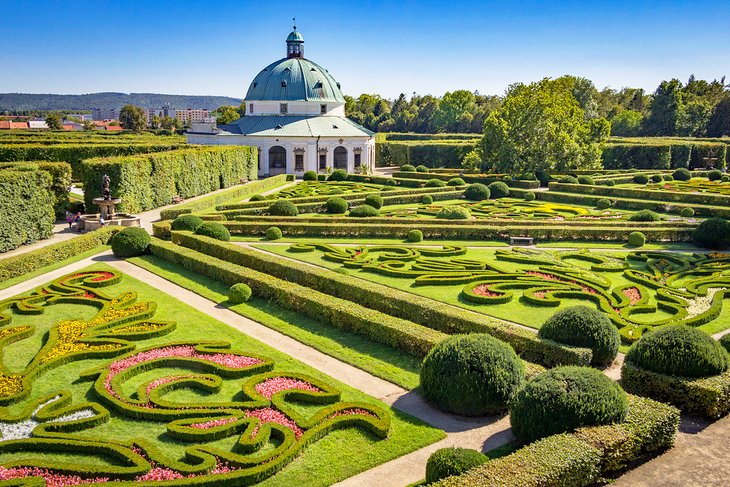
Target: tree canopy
{"type": "Point", "coordinates": [132, 118]}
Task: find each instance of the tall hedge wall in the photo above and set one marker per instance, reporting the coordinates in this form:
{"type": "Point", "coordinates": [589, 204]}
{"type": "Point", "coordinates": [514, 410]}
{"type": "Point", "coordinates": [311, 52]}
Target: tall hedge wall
{"type": "Point", "coordinates": [60, 179]}
{"type": "Point", "coordinates": [659, 153]}
{"type": "Point", "coordinates": [430, 153]}
{"type": "Point", "coordinates": [76, 152]}
{"type": "Point", "coordinates": [26, 206]}
{"type": "Point", "coordinates": [149, 181]}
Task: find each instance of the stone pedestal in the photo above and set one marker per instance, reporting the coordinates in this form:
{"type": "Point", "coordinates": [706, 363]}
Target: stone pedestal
{"type": "Point", "coordinates": [107, 208]}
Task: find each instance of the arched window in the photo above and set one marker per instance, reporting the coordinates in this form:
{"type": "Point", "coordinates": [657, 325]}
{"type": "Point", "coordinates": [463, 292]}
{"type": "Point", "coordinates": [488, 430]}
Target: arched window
{"type": "Point", "coordinates": [277, 160]}
{"type": "Point", "coordinates": [340, 155]}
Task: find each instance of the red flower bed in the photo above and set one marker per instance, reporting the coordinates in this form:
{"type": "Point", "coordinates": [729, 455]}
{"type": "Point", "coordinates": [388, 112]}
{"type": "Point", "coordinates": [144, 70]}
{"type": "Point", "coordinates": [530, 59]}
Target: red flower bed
{"type": "Point", "coordinates": [633, 294]}
{"type": "Point", "coordinates": [483, 290]}
{"type": "Point", "coordinates": [271, 386]}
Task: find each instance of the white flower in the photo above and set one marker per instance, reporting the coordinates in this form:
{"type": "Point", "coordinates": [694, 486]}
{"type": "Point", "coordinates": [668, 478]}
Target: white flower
{"type": "Point", "coordinates": [19, 430]}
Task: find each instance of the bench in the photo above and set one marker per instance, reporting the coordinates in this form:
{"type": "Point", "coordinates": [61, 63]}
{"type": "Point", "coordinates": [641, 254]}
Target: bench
{"type": "Point", "coordinates": [521, 241]}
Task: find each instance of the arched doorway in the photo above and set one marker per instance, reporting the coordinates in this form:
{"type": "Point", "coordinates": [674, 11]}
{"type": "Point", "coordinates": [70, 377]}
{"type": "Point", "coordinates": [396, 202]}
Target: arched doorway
{"type": "Point", "coordinates": [277, 160]}
{"type": "Point", "coordinates": [340, 156]}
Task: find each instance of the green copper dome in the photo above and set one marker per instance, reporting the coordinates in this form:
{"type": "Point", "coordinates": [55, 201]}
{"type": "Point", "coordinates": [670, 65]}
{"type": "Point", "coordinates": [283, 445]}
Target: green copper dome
{"type": "Point", "coordinates": [295, 36]}
{"type": "Point", "coordinates": [295, 79]}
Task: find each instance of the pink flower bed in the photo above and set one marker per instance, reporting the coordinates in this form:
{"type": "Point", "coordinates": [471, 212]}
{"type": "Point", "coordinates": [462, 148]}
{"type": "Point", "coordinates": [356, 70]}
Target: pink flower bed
{"type": "Point", "coordinates": [271, 415]}
{"type": "Point", "coordinates": [542, 275]}
{"type": "Point", "coordinates": [483, 290]}
{"type": "Point", "coordinates": [540, 294]}
{"type": "Point", "coordinates": [271, 386]}
{"type": "Point", "coordinates": [633, 294]}
{"type": "Point", "coordinates": [213, 423]}
{"type": "Point", "coordinates": [52, 479]}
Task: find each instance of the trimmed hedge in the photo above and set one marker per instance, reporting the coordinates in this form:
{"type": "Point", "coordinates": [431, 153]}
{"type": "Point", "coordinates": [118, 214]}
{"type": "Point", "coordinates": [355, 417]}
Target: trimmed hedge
{"type": "Point", "coordinates": [336, 205]}
{"type": "Point", "coordinates": [454, 213]}
{"type": "Point", "coordinates": [239, 293]}
{"type": "Point", "coordinates": [713, 234]}
{"type": "Point", "coordinates": [187, 222]}
{"type": "Point", "coordinates": [421, 310]}
{"type": "Point", "coordinates": [477, 192]}
{"type": "Point", "coordinates": [644, 216]}
{"type": "Point", "coordinates": [415, 236]}
{"type": "Point", "coordinates": [637, 239]}
{"type": "Point", "coordinates": [22, 264]}
{"type": "Point", "coordinates": [309, 176]}
{"type": "Point", "coordinates": [374, 200]}
{"type": "Point", "coordinates": [60, 179]}
{"type": "Point", "coordinates": [273, 233]}
{"type": "Point", "coordinates": [471, 375]}
{"type": "Point", "coordinates": [446, 462]}
{"type": "Point", "coordinates": [498, 189]}
{"type": "Point", "coordinates": [149, 181]}
{"type": "Point", "coordinates": [130, 242]}
{"type": "Point", "coordinates": [364, 211]}
{"type": "Point", "coordinates": [214, 230]}
{"type": "Point", "coordinates": [26, 207]}
{"type": "Point", "coordinates": [283, 208]}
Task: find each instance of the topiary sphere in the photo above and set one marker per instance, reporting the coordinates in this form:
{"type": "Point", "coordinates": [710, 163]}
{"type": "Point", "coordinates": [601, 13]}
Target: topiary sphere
{"type": "Point", "coordinates": [421, 168]}
{"type": "Point", "coordinates": [725, 342]}
{"type": "Point", "coordinates": [408, 168]}
{"type": "Point", "coordinates": [187, 222]}
{"type": "Point", "coordinates": [568, 180]}
{"type": "Point", "coordinates": [581, 326]}
{"type": "Point", "coordinates": [434, 183]}
{"type": "Point", "coordinates": [364, 211]}
{"type": "Point", "coordinates": [239, 293]}
{"type": "Point", "coordinates": [530, 196]}
{"type": "Point", "coordinates": [714, 175]}
{"type": "Point", "coordinates": [563, 399]}
{"type": "Point", "coordinates": [610, 182]}
{"type": "Point", "coordinates": [682, 174]}
{"type": "Point", "coordinates": [679, 350]}
{"type": "Point", "coordinates": [454, 213]}
{"type": "Point", "coordinates": [374, 200]}
{"type": "Point", "coordinates": [455, 182]}
{"type": "Point", "coordinates": [603, 203]}
{"type": "Point", "coordinates": [283, 208]}
{"type": "Point", "coordinates": [336, 205]}
{"type": "Point", "coordinates": [645, 216]}
{"type": "Point", "coordinates": [725, 179]}
{"type": "Point", "coordinates": [476, 192]}
{"type": "Point", "coordinates": [657, 178]}
{"type": "Point", "coordinates": [258, 197]}
{"type": "Point", "coordinates": [273, 233]}
{"type": "Point", "coordinates": [668, 177]}
{"type": "Point", "coordinates": [641, 179]}
{"type": "Point", "coordinates": [214, 230]}
{"type": "Point", "coordinates": [687, 212]}
{"type": "Point", "coordinates": [426, 199]}
{"type": "Point", "coordinates": [130, 242]}
{"type": "Point", "coordinates": [586, 180]}
{"type": "Point", "coordinates": [338, 175]}
{"type": "Point", "coordinates": [498, 189]}
{"type": "Point", "coordinates": [415, 236]}
{"type": "Point", "coordinates": [309, 176]}
{"type": "Point", "coordinates": [446, 462]}
{"type": "Point", "coordinates": [391, 182]}
{"type": "Point", "coordinates": [471, 375]}
{"type": "Point", "coordinates": [713, 233]}
{"type": "Point", "coordinates": [637, 239]}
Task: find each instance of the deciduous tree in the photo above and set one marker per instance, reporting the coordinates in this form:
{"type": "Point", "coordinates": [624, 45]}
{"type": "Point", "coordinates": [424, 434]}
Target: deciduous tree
{"type": "Point", "coordinates": [132, 118]}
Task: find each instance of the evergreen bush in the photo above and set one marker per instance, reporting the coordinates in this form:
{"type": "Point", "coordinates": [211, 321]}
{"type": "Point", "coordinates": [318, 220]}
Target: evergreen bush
{"type": "Point", "coordinates": [586, 180]}
{"type": "Point", "coordinates": [239, 293]}
{"type": "Point", "coordinates": [603, 204]}
{"type": "Point", "coordinates": [283, 208]}
{"type": "Point", "coordinates": [415, 235]}
{"type": "Point", "coordinates": [338, 175]}
{"type": "Point", "coordinates": [273, 233]}
{"type": "Point", "coordinates": [391, 182]}
{"type": "Point", "coordinates": [309, 176]}
{"type": "Point", "coordinates": [408, 168]}
{"type": "Point", "coordinates": [187, 222]}
{"type": "Point", "coordinates": [364, 211]}
{"type": "Point", "coordinates": [130, 242]}
{"type": "Point", "coordinates": [637, 239]}
{"type": "Point", "coordinates": [713, 233]}
{"type": "Point", "coordinates": [336, 205]}
{"type": "Point", "coordinates": [454, 213]}
{"type": "Point", "coordinates": [714, 175]}
{"type": "Point", "coordinates": [568, 180]}
{"type": "Point", "coordinates": [610, 182]}
{"type": "Point", "coordinates": [426, 199]}
{"type": "Point", "coordinates": [725, 178]}
{"type": "Point", "coordinates": [374, 200]}
{"type": "Point", "coordinates": [214, 230]}
{"type": "Point", "coordinates": [258, 197]}
{"type": "Point", "coordinates": [530, 196]}
{"type": "Point", "coordinates": [421, 168]}
{"type": "Point", "coordinates": [446, 462]}
{"type": "Point", "coordinates": [476, 192]}
{"type": "Point", "coordinates": [641, 179]}
{"type": "Point", "coordinates": [498, 189]}
{"type": "Point", "coordinates": [455, 182]}
{"type": "Point", "coordinates": [471, 375]}
{"type": "Point", "coordinates": [687, 212]}
{"type": "Point", "coordinates": [434, 183]}
{"type": "Point", "coordinates": [682, 174]}
{"type": "Point", "coordinates": [645, 216]}
{"type": "Point", "coordinates": [657, 178]}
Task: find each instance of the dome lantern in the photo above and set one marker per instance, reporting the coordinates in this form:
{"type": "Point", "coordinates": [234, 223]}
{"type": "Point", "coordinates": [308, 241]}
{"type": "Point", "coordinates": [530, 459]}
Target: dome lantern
{"type": "Point", "coordinates": [294, 44]}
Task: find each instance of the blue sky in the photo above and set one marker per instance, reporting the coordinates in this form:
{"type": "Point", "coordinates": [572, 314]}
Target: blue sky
{"type": "Point", "coordinates": [215, 47]}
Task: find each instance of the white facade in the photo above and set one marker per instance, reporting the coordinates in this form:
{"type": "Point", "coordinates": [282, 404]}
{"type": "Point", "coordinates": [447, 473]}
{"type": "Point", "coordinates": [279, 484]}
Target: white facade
{"type": "Point", "coordinates": [267, 107]}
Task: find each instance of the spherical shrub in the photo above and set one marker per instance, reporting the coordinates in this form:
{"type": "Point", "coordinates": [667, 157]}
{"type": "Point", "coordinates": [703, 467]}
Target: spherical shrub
{"type": "Point", "coordinates": [239, 293]}
{"type": "Point", "coordinates": [637, 239]}
{"type": "Point", "coordinates": [283, 208]}
{"type": "Point", "coordinates": [713, 233]}
{"type": "Point", "coordinates": [454, 213]}
{"type": "Point", "coordinates": [214, 230]}
{"type": "Point", "coordinates": [471, 375]}
{"type": "Point", "coordinates": [725, 342]}
{"type": "Point", "coordinates": [426, 199]}
{"type": "Point", "coordinates": [455, 182]}
{"type": "Point", "coordinates": [530, 196]}
{"type": "Point", "coordinates": [569, 180]}
{"type": "Point", "coordinates": [528, 176]}
{"type": "Point", "coordinates": [391, 182]}
{"type": "Point", "coordinates": [668, 177]}
{"type": "Point", "coordinates": [187, 222]}
{"type": "Point", "coordinates": [645, 216]}
{"type": "Point", "coordinates": [257, 197]}
{"type": "Point", "coordinates": [603, 203]}
{"type": "Point", "coordinates": [435, 183]}
{"type": "Point", "coordinates": [563, 399]}
{"type": "Point", "coordinates": [679, 350]}
{"type": "Point", "coordinates": [415, 235]}
{"type": "Point", "coordinates": [581, 326]}
{"type": "Point", "coordinates": [364, 211]}
{"type": "Point", "coordinates": [408, 168]}
{"type": "Point", "coordinates": [452, 461]}
{"type": "Point", "coordinates": [336, 205]}
{"type": "Point", "coordinates": [476, 192]}
{"type": "Point", "coordinates": [687, 212]}
{"type": "Point", "coordinates": [641, 179]}
{"type": "Point", "coordinates": [338, 175]}
{"type": "Point", "coordinates": [336, 191]}
{"type": "Point", "coordinates": [130, 242]}
{"type": "Point", "coordinates": [374, 200]}
{"type": "Point", "coordinates": [273, 233]}
{"type": "Point", "coordinates": [657, 178]}
{"type": "Point", "coordinates": [682, 174]}
{"type": "Point", "coordinates": [586, 180]}
{"type": "Point", "coordinates": [725, 179]}
{"type": "Point", "coordinates": [610, 182]}
{"type": "Point", "coordinates": [309, 176]}
{"type": "Point", "coordinates": [421, 168]}
{"type": "Point", "coordinates": [714, 175]}
{"type": "Point", "coordinates": [498, 189]}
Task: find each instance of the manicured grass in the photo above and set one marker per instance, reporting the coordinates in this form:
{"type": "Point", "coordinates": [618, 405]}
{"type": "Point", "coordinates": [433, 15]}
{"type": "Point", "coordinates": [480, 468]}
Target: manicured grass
{"type": "Point", "coordinates": [378, 241]}
{"type": "Point", "coordinates": [380, 360]}
{"type": "Point", "coordinates": [678, 246]}
{"type": "Point", "coordinates": [338, 455]}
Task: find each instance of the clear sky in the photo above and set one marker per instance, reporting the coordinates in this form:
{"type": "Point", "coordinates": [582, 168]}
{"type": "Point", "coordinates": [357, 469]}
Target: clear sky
{"type": "Point", "coordinates": [216, 47]}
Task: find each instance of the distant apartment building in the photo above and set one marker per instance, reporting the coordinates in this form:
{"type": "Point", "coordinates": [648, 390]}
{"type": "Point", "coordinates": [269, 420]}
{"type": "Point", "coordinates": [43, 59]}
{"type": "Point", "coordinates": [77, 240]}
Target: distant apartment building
{"type": "Point", "coordinates": [37, 125]}
{"type": "Point", "coordinates": [104, 114]}
{"type": "Point", "coordinates": [188, 116]}
{"type": "Point", "coordinates": [83, 117]}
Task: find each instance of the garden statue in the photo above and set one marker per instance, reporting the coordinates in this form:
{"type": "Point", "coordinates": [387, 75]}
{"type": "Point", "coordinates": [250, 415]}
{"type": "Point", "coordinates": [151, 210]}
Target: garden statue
{"type": "Point", "coordinates": [105, 192]}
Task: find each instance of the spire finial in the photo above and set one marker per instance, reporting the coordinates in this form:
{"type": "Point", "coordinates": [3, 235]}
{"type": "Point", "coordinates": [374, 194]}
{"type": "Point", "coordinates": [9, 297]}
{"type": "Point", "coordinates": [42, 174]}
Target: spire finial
{"type": "Point", "coordinates": [294, 20]}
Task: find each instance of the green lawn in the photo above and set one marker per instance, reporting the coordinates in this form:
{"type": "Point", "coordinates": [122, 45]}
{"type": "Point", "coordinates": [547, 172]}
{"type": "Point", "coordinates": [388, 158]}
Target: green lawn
{"type": "Point", "coordinates": [338, 455]}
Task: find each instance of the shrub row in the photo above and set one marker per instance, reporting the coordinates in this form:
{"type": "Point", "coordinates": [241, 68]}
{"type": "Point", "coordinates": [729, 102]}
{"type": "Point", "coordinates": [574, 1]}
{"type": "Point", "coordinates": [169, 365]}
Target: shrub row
{"type": "Point", "coordinates": [396, 332]}
{"type": "Point", "coordinates": [26, 207]}
{"type": "Point", "coordinates": [393, 302]}
{"type": "Point", "coordinates": [430, 153]}
{"type": "Point", "coordinates": [645, 194]}
{"type": "Point", "coordinates": [151, 180]}
{"type": "Point", "coordinates": [60, 179]}
{"type": "Point", "coordinates": [235, 193]}
{"type": "Point", "coordinates": [662, 154]}
{"type": "Point", "coordinates": [473, 178]}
